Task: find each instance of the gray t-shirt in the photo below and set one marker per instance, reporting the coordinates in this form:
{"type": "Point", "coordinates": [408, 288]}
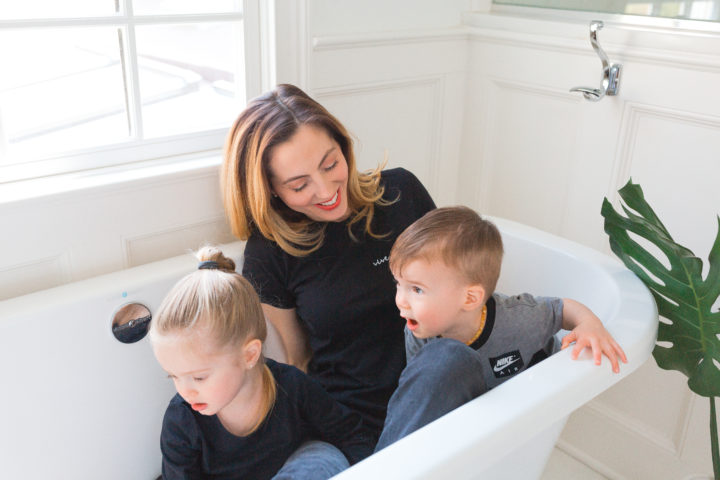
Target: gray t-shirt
{"type": "Point", "coordinates": [519, 332]}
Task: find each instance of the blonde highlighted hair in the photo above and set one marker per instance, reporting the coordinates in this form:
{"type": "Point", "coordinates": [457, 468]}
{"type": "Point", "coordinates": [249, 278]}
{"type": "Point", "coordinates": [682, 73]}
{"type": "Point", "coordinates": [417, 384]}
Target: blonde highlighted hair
{"type": "Point", "coordinates": [458, 237]}
{"type": "Point", "coordinates": [220, 302]}
{"type": "Point", "coordinates": [270, 120]}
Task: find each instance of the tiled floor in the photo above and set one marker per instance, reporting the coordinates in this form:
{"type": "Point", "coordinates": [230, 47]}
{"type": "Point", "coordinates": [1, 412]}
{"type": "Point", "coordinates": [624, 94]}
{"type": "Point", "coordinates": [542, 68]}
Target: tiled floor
{"type": "Point", "coordinates": [562, 466]}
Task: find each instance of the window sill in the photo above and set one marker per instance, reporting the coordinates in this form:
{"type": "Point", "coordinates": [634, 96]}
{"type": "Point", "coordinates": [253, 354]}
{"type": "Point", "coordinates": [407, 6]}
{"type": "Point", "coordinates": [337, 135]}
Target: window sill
{"type": "Point", "coordinates": [617, 20]}
{"type": "Point", "coordinates": [110, 178]}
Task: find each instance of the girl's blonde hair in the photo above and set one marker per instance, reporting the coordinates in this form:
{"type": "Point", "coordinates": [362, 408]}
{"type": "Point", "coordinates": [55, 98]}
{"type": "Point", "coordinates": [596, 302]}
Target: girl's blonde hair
{"type": "Point", "coordinates": [219, 301]}
{"type": "Point", "coordinates": [270, 120]}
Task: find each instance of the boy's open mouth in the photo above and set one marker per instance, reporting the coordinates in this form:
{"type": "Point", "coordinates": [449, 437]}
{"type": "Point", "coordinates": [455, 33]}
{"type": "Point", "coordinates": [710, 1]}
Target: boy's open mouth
{"type": "Point", "coordinates": [412, 324]}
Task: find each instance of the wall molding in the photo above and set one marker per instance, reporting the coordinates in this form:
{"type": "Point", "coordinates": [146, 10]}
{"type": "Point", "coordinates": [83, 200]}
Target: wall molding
{"type": "Point", "coordinates": [495, 85]}
{"type": "Point", "coordinates": [292, 24]}
{"type": "Point", "coordinates": [392, 38]}
{"type": "Point", "coordinates": [634, 432]}
{"type": "Point", "coordinates": [437, 83]}
{"type": "Point", "coordinates": [537, 89]}
{"type": "Point", "coordinates": [102, 182]}
{"type": "Point", "coordinates": [671, 445]}
{"type": "Point", "coordinates": [45, 272]}
{"type": "Point", "coordinates": [633, 114]}
{"type": "Point", "coordinates": [625, 44]}
{"type": "Point", "coordinates": [216, 227]}
{"type": "Point", "coordinates": [583, 457]}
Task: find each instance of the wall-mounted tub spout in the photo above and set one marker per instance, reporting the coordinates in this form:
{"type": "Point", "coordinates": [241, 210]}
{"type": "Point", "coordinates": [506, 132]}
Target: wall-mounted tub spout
{"type": "Point", "coordinates": [610, 73]}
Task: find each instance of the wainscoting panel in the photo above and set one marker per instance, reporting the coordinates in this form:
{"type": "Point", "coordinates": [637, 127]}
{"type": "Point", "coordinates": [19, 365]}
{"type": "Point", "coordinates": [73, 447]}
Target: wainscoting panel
{"type": "Point", "coordinates": [16, 280]}
{"type": "Point", "coordinates": [402, 120]}
{"type": "Point", "coordinates": [87, 232]}
{"type": "Point", "coordinates": [401, 93]}
{"type": "Point", "coordinates": [529, 151]}
{"type": "Point", "coordinates": [675, 155]}
{"type": "Point", "coordinates": [178, 240]}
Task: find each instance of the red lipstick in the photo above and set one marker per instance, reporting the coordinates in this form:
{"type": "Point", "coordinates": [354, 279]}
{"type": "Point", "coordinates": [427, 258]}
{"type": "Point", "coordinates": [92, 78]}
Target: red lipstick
{"type": "Point", "coordinates": [333, 206]}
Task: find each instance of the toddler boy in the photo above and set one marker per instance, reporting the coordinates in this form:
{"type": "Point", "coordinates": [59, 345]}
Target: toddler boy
{"type": "Point", "coordinates": [461, 337]}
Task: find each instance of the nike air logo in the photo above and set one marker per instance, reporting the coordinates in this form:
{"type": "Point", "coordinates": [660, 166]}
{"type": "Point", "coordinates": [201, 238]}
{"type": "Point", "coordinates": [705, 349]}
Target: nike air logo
{"type": "Point", "coordinates": [507, 364]}
{"type": "Point", "coordinates": [504, 363]}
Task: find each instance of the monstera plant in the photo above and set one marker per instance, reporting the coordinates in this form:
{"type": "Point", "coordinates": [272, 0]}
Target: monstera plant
{"type": "Point", "coordinates": [688, 331]}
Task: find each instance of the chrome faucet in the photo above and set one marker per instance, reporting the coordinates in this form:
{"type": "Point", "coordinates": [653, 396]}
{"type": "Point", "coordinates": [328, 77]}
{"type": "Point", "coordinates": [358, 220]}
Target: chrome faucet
{"type": "Point", "coordinates": [610, 83]}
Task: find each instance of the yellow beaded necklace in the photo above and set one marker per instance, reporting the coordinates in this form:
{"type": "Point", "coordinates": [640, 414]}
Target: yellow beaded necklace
{"type": "Point", "coordinates": [482, 326]}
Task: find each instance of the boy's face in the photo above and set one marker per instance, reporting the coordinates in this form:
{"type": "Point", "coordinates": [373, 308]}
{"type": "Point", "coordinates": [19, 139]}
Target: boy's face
{"type": "Point", "coordinates": [430, 296]}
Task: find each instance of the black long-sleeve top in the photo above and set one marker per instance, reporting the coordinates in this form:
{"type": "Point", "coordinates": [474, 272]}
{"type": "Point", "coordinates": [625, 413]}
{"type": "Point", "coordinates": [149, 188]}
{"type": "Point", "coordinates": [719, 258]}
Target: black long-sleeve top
{"type": "Point", "coordinates": [196, 446]}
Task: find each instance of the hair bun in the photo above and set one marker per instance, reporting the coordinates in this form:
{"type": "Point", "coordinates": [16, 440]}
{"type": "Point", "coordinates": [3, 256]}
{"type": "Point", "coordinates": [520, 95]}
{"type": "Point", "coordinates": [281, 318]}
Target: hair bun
{"type": "Point", "coordinates": [213, 254]}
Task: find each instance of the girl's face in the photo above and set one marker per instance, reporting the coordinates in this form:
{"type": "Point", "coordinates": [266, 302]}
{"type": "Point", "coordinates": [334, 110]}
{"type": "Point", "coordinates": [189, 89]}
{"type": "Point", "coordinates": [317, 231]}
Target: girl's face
{"type": "Point", "coordinates": [310, 174]}
{"type": "Point", "coordinates": [210, 381]}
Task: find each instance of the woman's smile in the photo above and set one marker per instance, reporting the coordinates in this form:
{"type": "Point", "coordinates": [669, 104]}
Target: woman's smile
{"type": "Point", "coordinates": [332, 203]}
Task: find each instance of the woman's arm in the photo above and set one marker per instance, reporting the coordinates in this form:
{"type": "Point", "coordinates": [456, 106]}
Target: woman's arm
{"type": "Point", "coordinates": [293, 337]}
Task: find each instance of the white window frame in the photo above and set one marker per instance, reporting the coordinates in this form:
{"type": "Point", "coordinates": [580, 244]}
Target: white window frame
{"type": "Point", "coordinates": [257, 17]}
{"type": "Point", "coordinates": [634, 21]}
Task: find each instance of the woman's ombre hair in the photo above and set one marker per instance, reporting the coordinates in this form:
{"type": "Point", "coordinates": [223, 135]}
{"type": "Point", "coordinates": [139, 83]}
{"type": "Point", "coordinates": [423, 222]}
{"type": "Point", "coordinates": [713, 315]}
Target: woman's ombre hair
{"type": "Point", "coordinates": [270, 120]}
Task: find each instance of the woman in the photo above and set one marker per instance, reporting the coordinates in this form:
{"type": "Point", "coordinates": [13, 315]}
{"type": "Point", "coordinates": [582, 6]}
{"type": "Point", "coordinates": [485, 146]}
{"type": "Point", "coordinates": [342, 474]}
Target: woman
{"type": "Point", "coordinates": [318, 235]}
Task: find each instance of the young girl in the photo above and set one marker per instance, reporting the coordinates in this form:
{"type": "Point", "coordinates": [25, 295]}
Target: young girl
{"type": "Point", "coordinates": [236, 414]}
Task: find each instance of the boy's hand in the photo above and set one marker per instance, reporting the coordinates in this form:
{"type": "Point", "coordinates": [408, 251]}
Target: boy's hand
{"type": "Point", "coordinates": [589, 332]}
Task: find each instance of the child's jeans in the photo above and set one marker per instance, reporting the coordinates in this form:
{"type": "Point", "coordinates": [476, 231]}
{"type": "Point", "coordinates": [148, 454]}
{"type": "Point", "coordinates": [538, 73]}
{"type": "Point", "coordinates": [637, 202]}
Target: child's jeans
{"type": "Point", "coordinates": [444, 375]}
{"type": "Point", "coordinates": [314, 460]}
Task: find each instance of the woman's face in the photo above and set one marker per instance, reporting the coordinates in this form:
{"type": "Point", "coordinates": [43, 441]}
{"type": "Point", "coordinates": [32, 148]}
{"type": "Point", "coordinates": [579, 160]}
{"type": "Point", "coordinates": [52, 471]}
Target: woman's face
{"type": "Point", "coordinates": [310, 174]}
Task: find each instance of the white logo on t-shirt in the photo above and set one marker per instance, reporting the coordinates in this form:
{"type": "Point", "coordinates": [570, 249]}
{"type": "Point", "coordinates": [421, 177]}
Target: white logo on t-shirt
{"type": "Point", "coordinates": [504, 362]}
{"type": "Point", "coordinates": [508, 363]}
{"type": "Point", "coordinates": [380, 261]}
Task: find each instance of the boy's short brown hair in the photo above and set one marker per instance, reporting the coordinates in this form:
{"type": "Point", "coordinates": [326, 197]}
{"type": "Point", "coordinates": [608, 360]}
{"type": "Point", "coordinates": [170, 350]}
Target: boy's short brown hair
{"type": "Point", "coordinates": [460, 238]}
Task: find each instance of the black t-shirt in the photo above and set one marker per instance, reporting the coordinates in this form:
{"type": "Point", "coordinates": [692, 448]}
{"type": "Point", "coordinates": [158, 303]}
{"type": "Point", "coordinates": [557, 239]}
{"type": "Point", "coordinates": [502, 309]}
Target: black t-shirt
{"type": "Point", "coordinates": [196, 446]}
{"type": "Point", "coordinates": [344, 296]}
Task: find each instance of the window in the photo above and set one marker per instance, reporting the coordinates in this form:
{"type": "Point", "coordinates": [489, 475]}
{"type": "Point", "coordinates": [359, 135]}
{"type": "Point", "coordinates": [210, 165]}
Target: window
{"type": "Point", "coordinates": [678, 9]}
{"type": "Point", "coordinates": [93, 83]}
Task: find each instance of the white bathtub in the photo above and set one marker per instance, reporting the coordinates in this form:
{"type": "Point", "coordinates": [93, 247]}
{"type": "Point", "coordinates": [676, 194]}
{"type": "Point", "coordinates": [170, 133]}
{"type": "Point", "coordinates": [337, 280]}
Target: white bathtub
{"type": "Point", "coordinates": [77, 404]}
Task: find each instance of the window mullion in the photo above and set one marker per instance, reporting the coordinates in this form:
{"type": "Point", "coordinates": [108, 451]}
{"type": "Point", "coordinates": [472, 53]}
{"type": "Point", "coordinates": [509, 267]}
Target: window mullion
{"type": "Point", "coordinates": [131, 72]}
{"type": "Point", "coordinates": [3, 140]}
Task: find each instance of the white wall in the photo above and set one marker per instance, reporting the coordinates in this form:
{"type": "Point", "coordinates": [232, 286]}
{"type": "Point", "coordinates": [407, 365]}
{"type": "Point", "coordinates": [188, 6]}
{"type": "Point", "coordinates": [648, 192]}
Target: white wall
{"type": "Point", "coordinates": [89, 226]}
{"type": "Point", "coordinates": [393, 72]}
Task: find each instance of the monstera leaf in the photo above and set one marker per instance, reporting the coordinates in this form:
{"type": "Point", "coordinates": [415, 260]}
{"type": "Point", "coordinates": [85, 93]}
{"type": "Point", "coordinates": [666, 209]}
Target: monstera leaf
{"type": "Point", "coordinates": [683, 297]}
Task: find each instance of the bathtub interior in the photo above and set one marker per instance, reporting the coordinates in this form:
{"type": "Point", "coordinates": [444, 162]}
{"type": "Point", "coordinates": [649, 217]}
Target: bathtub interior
{"type": "Point", "coordinates": [77, 403]}
{"type": "Point", "coordinates": [561, 271]}
{"type": "Point", "coordinates": [509, 432]}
